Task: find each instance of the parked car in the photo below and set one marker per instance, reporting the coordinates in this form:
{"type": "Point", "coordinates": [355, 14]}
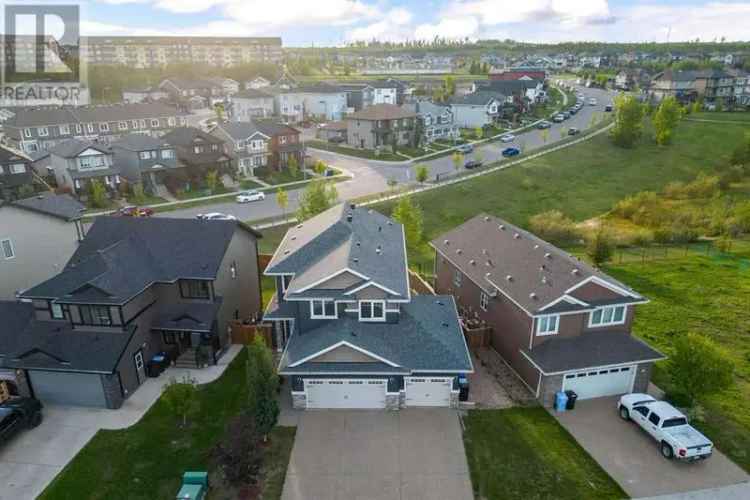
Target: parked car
{"type": "Point", "coordinates": [573, 110]}
{"type": "Point", "coordinates": [669, 427]}
{"type": "Point", "coordinates": [565, 115]}
{"type": "Point", "coordinates": [133, 211]}
{"type": "Point", "coordinates": [248, 196]}
{"type": "Point", "coordinates": [592, 102]}
{"type": "Point", "coordinates": [558, 118]}
{"type": "Point", "coordinates": [507, 138]}
{"type": "Point", "coordinates": [337, 140]}
{"type": "Point", "coordinates": [509, 152]}
{"type": "Point", "coordinates": [608, 108]}
{"type": "Point", "coordinates": [573, 131]}
{"type": "Point", "coordinates": [472, 164]}
{"type": "Point", "coordinates": [465, 148]}
{"type": "Point", "coordinates": [17, 414]}
{"type": "Point", "coordinates": [215, 216]}
{"type": "Point", "coordinates": [543, 124]}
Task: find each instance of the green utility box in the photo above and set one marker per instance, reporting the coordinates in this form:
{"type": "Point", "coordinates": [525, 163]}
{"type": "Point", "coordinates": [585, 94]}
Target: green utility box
{"type": "Point", "coordinates": [194, 486]}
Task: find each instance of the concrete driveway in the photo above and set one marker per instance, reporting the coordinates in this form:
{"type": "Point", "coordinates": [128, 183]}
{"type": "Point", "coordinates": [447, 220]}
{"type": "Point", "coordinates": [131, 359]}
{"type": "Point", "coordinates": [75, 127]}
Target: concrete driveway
{"type": "Point", "coordinates": [632, 457]}
{"type": "Point", "coordinates": [34, 457]}
{"type": "Point", "coordinates": [414, 454]}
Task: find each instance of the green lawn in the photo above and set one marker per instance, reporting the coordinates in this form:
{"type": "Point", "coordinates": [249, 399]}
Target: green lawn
{"type": "Point", "coordinates": [273, 176]}
{"type": "Point", "coordinates": [146, 461]}
{"type": "Point", "coordinates": [147, 200]}
{"type": "Point", "coordinates": [523, 453]}
{"type": "Point", "coordinates": [248, 184]}
{"type": "Point", "coordinates": [735, 116]}
{"type": "Point", "coordinates": [708, 295]}
{"type": "Point", "coordinates": [359, 153]}
{"type": "Point", "coordinates": [200, 193]}
{"type": "Point", "coordinates": [582, 181]}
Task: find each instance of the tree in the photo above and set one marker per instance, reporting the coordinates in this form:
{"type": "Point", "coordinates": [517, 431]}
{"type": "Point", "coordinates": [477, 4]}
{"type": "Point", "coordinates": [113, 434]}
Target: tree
{"type": "Point", "coordinates": [293, 166]}
{"type": "Point", "coordinates": [599, 247]}
{"type": "Point", "coordinates": [741, 154]}
{"type": "Point", "coordinates": [698, 106]}
{"type": "Point", "coordinates": [422, 172]}
{"type": "Point", "coordinates": [449, 84]}
{"type": "Point", "coordinates": [320, 167]}
{"type": "Point", "coordinates": [554, 226]}
{"type": "Point", "coordinates": [628, 125]}
{"type": "Point", "coordinates": [698, 367]}
{"type": "Point", "coordinates": [479, 132]}
{"type": "Point", "coordinates": [317, 197]}
{"type": "Point", "coordinates": [665, 120]}
{"type": "Point", "coordinates": [181, 396]}
{"type": "Point", "coordinates": [238, 454]}
{"type": "Point", "coordinates": [262, 382]}
{"type": "Point", "coordinates": [219, 110]}
{"type": "Point", "coordinates": [410, 215]}
{"type": "Point", "coordinates": [97, 194]}
{"type": "Point", "coordinates": [282, 200]}
{"type": "Point", "coordinates": [545, 135]}
{"type": "Point", "coordinates": [458, 160]}
{"type": "Point", "coordinates": [212, 181]}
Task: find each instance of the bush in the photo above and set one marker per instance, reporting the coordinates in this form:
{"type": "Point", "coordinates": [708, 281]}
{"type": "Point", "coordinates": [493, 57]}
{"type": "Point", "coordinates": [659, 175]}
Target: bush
{"type": "Point", "coordinates": [704, 186]}
{"type": "Point", "coordinates": [637, 206]}
{"type": "Point", "coordinates": [240, 454]}
{"type": "Point", "coordinates": [699, 367]}
{"type": "Point", "coordinates": [599, 248]}
{"type": "Point", "coordinates": [554, 227]}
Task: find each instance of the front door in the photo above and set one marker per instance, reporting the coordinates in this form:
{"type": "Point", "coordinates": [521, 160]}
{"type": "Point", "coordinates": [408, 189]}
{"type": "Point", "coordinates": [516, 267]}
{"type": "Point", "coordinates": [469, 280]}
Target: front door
{"type": "Point", "coordinates": [185, 340]}
{"type": "Point", "coordinates": [140, 367]}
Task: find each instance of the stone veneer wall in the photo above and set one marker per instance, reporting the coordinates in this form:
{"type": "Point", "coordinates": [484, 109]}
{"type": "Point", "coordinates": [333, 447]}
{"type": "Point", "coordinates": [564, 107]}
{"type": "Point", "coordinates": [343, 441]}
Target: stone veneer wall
{"type": "Point", "coordinates": [112, 392]}
{"type": "Point", "coordinates": [642, 377]}
{"type": "Point", "coordinates": [393, 401]}
{"type": "Point", "coordinates": [22, 384]}
{"type": "Point", "coordinates": [550, 385]}
{"type": "Point", "coordinates": [299, 401]}
{"type": "Point", "coordinates": [454, 399]}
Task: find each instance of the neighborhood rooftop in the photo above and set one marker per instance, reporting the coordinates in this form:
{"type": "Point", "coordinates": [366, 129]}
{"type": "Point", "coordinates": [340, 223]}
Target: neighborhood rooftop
{"type": "Point", "coordinates": [382, 112]}
{"type": "Point", "coordinates": [62, 206]}
{"type": "Point", "coordinates": [57, 115]}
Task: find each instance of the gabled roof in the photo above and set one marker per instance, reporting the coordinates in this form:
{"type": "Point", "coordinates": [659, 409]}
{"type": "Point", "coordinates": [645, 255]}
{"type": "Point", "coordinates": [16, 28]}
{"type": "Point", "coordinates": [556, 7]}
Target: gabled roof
{"type": "Point", "coordinates": [523, 267]}
{"type": "Point", "coordinates": [240, 130]}
{"type": "Point", "coordinates": [383, 112]}
{"type": "Point", "coordinates": [252, 94]}
{"type": "Point", "coordinates": [62, 206]}
{"type": "Point", "coordinates": [188, 83]}
{"type": "Point", "coordinates": [55, 115]}
{"type": "Point", "coordinates": [371, 246]}
{"type": "Point", "coordinates": [507, 87]}
{"type": "Point", "coordinates": [318, 88]}
{"type": "Point", "coordinates": [71, 148]}
{"type": "Point", "coordinates": [139, 142]}
{"type": "Point", "coordinates": [275, 128]}
{"type": "Point", "coordinates": [480, 98]}
{"type": "Point", "coordinates": [427, 336]}
{"type": "Point", "coordinates": [121, 256]}
{"type": "Point", "coordinates": [185, 136]}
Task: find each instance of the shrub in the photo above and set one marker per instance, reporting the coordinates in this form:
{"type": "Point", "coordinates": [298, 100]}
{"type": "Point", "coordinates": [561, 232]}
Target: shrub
{"type": "Point", "coordinates": [599, 248]}
{"type": "Point", "coordinates": [704, 186]}
{"type": "Point", "coordinates": [181, 396]}
{"type": "Point", "coordinates": [699, 367]}
{"type": "Point", "coordinates": [554, 227]}
{"type": "Point", "coordinates": [239, 454]}
{"type": "Point", "coordinates": [643, 202]}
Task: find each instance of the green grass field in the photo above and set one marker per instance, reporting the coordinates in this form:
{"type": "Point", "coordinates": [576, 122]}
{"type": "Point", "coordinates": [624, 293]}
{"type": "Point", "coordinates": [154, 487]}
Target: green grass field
{"type": "Point", "coordinates": [582, 181]}
{"type": "Point", "coordinates": [708, 295]}
{"type": "Point", "coordinates": [523, 453]}
{"type": "Point", "coordinates": [735, 116]}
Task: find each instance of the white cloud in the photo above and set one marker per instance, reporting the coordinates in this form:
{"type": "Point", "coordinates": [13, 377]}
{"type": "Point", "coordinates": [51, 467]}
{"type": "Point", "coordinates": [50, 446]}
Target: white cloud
{"type": "Point", "coordinates": [457, 27]}
{"type": "Point", "coordinates": [393, 27]}
{"type": "Point", "coordinates": [492, 12]}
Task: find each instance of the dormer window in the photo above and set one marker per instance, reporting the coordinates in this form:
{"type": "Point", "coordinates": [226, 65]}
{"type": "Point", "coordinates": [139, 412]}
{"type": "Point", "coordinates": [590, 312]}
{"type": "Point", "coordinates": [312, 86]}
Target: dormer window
{"type": "Point", "coordinates": [605, 316]}
{"type": "Point", "coordinates": [547, 325]}
{"type": "Point", "coordinates": [372, 310]}
{"type": "Point", "coordinates": [322, 309]}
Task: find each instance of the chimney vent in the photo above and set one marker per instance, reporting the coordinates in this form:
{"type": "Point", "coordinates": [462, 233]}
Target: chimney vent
{"type": "Point", "coordinates": [446, 242]}
{"type": "Point", "coordinates": [509, 277]}
{"type": "Point", "coordinates": [501, 227]}
{"type": "Point", "coordinates": [458, 251]}
{"type": "Point", "coordinates": [575, 271]}
{"type": "Point", "coordinates": [516, 236]}
{"type": "Point", "coordinates": [486, 218]}
{"type": "Point", "coordinates": [547, 255]}
{"type": "Point", "coordinates": [473, 262]}
{"type": "Point", "coordinates": [532, 295]}
{"type": "Point", "coordinates": [353, 206]}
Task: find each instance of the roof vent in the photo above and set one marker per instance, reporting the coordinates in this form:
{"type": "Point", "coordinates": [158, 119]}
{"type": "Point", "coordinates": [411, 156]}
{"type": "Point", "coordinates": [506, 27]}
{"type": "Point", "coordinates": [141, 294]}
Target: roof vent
{"type": "Point", "coordinates": [459, 251]}
{"type": "Point", "coordinates": [294, 238]}
{"type": "Point", "coordinates": [544, 280]}
{"type": "Point", "coordinates": [473, 262]}
{"type": "Point", "coordinates": [358, 243]}
{"type": "Point", "coordinates": [501, 227]}
{"type": "Point", "coordinates": [487, 275]}
{"type": "Point", "coordinates": [543, 267]}
{"type": "Point", "coordinates": [286, 252]}
{"type": "Point", "coordinates": [378, 250]}
{"type": "Point", "coordinates": [439, 302]}
{"type": "Point", "coordinates": [536, 247]}
{"type": "Point", "coordinates": [390, 222]}
{"type": "Point", "coordinates": [516, 236]}
{"type": "Point", "coordinates": [509, 278]}
{"type": "Point", "coordinates": [484, 251]}
{"type": "Point", "coordinates": [486, 218]}
{"type": "Point", "coordinates": [532, 295]}
{"type": "Point", "coordinates": [547, 255]}
{"type": "Point", "coordinates": [446, 242]}
{"type": "Point", "coordinates": [356, 259]}
{"type": "Point", "coordinates": [380, 228]}
{"type": "Point", "coordinates": [575, 271]}
{"type": "Point", "coordinates": [445, 324]}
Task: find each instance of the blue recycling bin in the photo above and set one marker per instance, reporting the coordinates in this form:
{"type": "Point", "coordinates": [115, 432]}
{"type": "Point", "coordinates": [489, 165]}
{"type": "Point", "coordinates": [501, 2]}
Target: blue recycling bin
{"type": "Point", "coordinates": [561, 401]}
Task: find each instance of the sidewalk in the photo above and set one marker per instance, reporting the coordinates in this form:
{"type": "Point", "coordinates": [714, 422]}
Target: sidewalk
{"type": "Point", "coordinates": [739, 491]}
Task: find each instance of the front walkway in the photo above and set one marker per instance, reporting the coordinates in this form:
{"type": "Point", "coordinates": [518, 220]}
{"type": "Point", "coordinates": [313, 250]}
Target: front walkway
{"type": "Point", "coordinates": [33, 458]}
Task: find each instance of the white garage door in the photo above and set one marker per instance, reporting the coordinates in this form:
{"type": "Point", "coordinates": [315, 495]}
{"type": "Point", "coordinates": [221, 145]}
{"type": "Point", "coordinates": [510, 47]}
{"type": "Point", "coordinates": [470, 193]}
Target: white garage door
{"type": "Point", "coordinates": [345, 393]}
{"type": "Point", "coordinates": [79, 389]}
{"type": "Point", "coordinates": [428, 391]}
{"type": "Point", "coordinates": [598, 383]}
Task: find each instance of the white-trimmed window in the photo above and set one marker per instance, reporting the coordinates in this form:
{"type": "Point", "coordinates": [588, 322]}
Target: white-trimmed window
{"type": "Point", "coordinates": [57, 311]}
{"type": "Point", "coordinates": [90, 127]}
{"type": "Point", "coordinates": [457, 277]}
{"type": "Point", "coordinates": [7, 248]}
{"type": "Point", "coordinates": [142, 123]}
{"type": "Point", "coordinates": [64, 129]}
{"type": "Point", "coordinates": [134, 123]}
{"type": "Point", "coordinates": [154, 122]}
{"type": "Point", "coordinates": [122, 125]}
{"type": "Point", "coordinates": [484, 299]}
{"type": "Point", "coordinates": [27, 132]}
{"type": "Point", "coordinates": [609, 315]}
{"type": "Point", "coordinates": [322, 309]}
{"type": "Point", "coordinates": [171, 122]}
{"type": "Point", "coordinates": [79, 128]}
{"type": "Point", "coordinates": [167, 153]}
{"type": "Point", "coordinates": [372, 310]}
{"type": "Point", "coordinates": [42, 131]}
{"type": "Point", "coordinates": [104, 127]}
{"type": "Point", "coordinates": [17, 168]}
{"type": "Point", "coordinates": [547, 325]}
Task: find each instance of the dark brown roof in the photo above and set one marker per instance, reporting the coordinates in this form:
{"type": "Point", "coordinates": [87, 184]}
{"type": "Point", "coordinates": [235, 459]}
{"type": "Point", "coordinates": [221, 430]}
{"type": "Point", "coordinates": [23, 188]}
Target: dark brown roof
{"type": "Point", "coordinates": [532, 272]}
{"type": "Point", "coordinates": [383, 112]}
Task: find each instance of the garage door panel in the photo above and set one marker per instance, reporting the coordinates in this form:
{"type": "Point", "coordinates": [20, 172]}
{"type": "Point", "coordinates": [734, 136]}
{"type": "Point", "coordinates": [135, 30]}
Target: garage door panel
{"type": "Point", "coordinates": [346, 393]}
{"type": "Point", "coordinates": [428, 391]}
{"type": "Point", "coordinates": [600, 383]}
{"type": "Point", "coordinates": [79, 389]}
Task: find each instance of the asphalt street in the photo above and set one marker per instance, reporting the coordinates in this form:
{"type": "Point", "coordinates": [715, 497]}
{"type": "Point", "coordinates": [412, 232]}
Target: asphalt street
{"type": "Point", "coordinates": [371, 176]}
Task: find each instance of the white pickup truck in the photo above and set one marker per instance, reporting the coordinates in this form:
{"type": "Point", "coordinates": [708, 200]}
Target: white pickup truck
{"type": "Point", "coordinates": [667, 426]}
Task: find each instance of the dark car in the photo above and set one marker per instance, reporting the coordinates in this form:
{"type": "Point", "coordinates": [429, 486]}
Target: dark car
{"type": "Point", "coordinates": [566, 114]}
{"type": "Point", "coordinates": [337, 140]}
{"type": "Point", "coordinates": [509, 152]}
{"type": "Point", "coordinates": [608, 108]}
{"type": "Point", "coordinates": [573, 131]}
{"type": "Point", "coordinates": [573, 110]}
{"type": "Point", "coordinates": [543, 124]}
{"type": "Point", "coordinates": [133, 211]}
{"type": "Point", "coordinates": [17, 414]}
{"type": "Point", "coordinates": [472, 164]}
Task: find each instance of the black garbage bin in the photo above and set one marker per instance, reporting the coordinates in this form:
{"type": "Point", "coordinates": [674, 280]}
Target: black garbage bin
{"type": "Point", "coordinates": [572, 396]}
{"type": "Point", "coordinates": [463, 388]}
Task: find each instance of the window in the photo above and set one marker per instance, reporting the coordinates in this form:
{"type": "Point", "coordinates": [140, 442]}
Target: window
{"type": "Point", "coordinates": [17, 168]}
{"type": "Point", "coordinates": [282, 139]}
{"type": "Point", "coordinates": [674, 422]}
{"type": "Point", "coordinates": [641, 409]}
{"type": "Point", "coordinates": [90, 127]}
{"type": "Point", "coordinates": [547, 325]}
{"type": "Point", "coordinates": [610, 315]}
{"type": "Point", "coordinates": [198, 149]}
{"type": "Point", "coordinates": [322, 309]}
{"type": "Point", "coordinates": [64, 129]}
{"type": "Point", "coordinates": [79, 128]}
{"type": "Point", "coordinates": [142, 123]}
{"type": "Point", "coordinates": [484, 299]}
{"type": "Point", "coordinates": [457, 277]}
{"type": "Point", "coordinates": [169, 337]}
{"type": "Point", "coordinates": [171, 122]}
{"type": "Point", "coordinates": [57, 311]}
{"type": "Point", "coordinates": [194, 289]}
{"type": "Point", "coordinates": [285, 280]}
{"type": "Point", "coordinates": [654, 419]}
{"type": "Point", "coordinates": [27, 132]}
{"type": "Point", "coordinates": [42, 131]}
{"type": "Point", "coordinates": [214, 147]}
{"type": "Point", "coordinates": [104, 127]}
{"type": "Point", "coordinates": [154, 122]}
{"type": "Point", "coordinates": [372, 310]}
{"type": "Point", "coordinates": [123, 125]}
{"type": "Point", "coordinates": [95, 161]}
{"type": "Point", "coordinates": [8, 251]}
{"type": "Point", "coordinates": [95, 315]}
{"type": "Point", "coordinates": [147, 155]}
{"type": "Point", "coordinates": [134, 123]}
{"type": "Point", "coordinates": [233, 270]}
{"type": "Point", "coordinates": [167, 154]}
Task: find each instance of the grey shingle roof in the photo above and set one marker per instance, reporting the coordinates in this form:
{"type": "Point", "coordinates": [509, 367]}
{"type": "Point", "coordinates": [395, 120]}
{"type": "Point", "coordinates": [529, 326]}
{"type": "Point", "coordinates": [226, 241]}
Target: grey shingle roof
{"type": "Point", "coordinates": [31, 117]}
{"type": "Point", "coordinates": [426, 337]}
{"type": "Point", "coordinates": [347, 368]}
{"type": "Point", "coordinates": [140, 142]}
{"type": "Point", "coordinates": [371, 245]}
{"type": "Point", "coordinates": [194, 316]}
{"type": "Point", "coordinates": [481, 98]}
{"type": "Point", "coordinates": [590, 350]}
{"type": "Point", "coordinates": [54, 345]}
{"type": "Point", "coordinates": [489, 250]}
{"type": "Point", "coordinates": [506, 87]}
{"type": "Point", "coordinates": [63, 206]}
{"type": "Point", "coordinates": [121, 256]}
{"type": "Point", "coordinates": [240, 130]}
{"type": "Point", "coordinates": [252, 94]}
{"type": "Point", "coordinates": [383, 112]}
{"type": "Point", "coordinates": [71, 148]}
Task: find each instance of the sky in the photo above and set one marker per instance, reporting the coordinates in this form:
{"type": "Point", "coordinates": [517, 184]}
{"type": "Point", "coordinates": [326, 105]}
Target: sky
{"type": "Point", "coordinates": [335, 22]}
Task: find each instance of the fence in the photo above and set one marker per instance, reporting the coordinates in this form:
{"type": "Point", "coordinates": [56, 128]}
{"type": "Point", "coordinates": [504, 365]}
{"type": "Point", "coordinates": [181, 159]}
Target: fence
{"type": "Point", "coordinates": [624, 255]}
{"type": "Point", "coordinates": [419, 285]}
{"type": "Point", "coordinates": [245, 334]}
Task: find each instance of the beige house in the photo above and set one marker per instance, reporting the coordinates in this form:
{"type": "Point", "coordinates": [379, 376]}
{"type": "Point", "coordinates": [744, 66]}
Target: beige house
{"type": "Point", "coordinates": [381, 125]}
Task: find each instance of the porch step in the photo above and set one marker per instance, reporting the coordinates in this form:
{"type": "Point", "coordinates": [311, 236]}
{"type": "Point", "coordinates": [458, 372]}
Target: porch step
{"type": "Point", "coordinates": [186, 360]}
